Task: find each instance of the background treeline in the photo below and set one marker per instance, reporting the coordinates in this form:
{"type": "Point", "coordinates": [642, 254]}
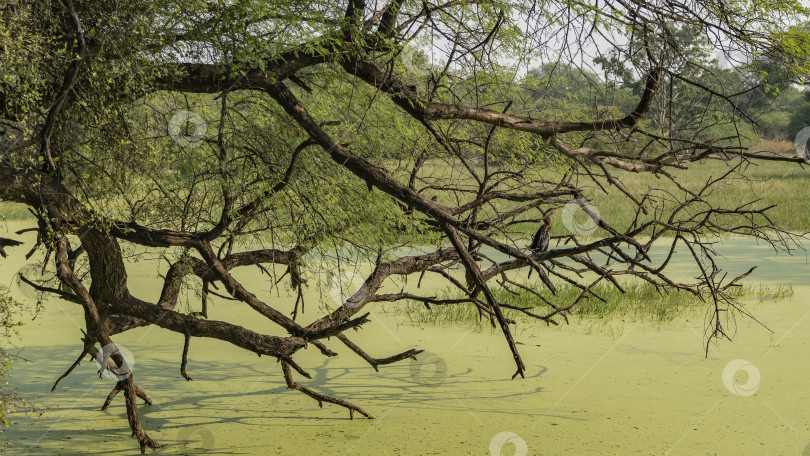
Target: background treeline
{"type": "Point", "coordinates": [716, 95]}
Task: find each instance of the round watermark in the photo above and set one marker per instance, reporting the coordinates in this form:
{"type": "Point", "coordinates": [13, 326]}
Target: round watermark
{"type": "Point", "coordinates": [751, 383]}
{"type": "Point", "coordinates": [414, 61]}
{"type": "Point", "coordinates": [180, 135]}
{"type": "Point", "coordinates": [347, 289]}
{"type": "Point", "coordinates": [30, 272]}
{"type": "Point", "coordinates": [580, 217]}
{"type": "Point", "coordinates": [539, 101]}
{"type": "Point", "coordinates": [504, 439]}
{"type": "Point", "coordinates": [800, 143]}
{"type": "Point", "coordinates": [11, 133]}
{"type": "Point", "coordinates": [730, 58]}
{"type": "Point", "coordinates": [195, 439]}
{"type": "Point", "coordinates": [229, 168]}
{"type": "Point", "coordinates": [428, 369]}
{"type": "Point", "coordinates": [122, 372]}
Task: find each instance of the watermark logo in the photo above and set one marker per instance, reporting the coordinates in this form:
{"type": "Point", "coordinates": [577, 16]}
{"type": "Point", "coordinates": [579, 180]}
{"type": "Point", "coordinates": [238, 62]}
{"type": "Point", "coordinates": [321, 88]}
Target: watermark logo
{"type": "Point", "coordinates": [580, 217]}
{"type": "Point", "coordinates": [195, 439]}
{"type": "Point", "coordinates": [180, 135]}
{"type": "Point", "coordinates": [122, 372]}
{"type": "Point", "coordinates": [751, 383]}
{"type": "Point", "coordinates": [428, 369]}
{"type": "Point", "coordinates": [11, 133]}
{"type": "Point", "coordinates": [729, 59]}
{"type": "Point", "coordinates": [348, 290]}
{"type": "Point", "coordinates": [506, 438]}
{"type": "Point", "coordinates": [415, 62]}
{"type": "Point", "coordinates": [800, 143]}
{"type": "Point", "coordinates": [26, 274]}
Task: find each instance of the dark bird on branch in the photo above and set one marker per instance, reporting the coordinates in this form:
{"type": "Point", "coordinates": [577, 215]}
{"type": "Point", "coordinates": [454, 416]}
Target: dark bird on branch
{"type": "Point", "coordinates": [7, 243]}
{"type": "Point", "coordinates": [541, 238]}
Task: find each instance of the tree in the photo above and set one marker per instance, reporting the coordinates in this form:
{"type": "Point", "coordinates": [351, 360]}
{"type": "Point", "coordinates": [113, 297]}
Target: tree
{"type": "Point", "coordinates": [226, 135]}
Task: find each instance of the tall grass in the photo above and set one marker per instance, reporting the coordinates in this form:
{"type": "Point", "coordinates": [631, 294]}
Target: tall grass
{"type": "Point", "coordinates": [641, 302]}
{"type": "Point", "coordinates": [771, 183]}
{"type": "Point", "coordinates": [13, 211]}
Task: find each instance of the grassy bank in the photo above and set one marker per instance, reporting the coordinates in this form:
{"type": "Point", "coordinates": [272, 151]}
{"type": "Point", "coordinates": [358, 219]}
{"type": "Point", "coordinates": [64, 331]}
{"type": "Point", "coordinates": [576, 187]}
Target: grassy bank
{"type": "Point", "coordinates": [13, 211]}
{"type": "Point", "coordinates": [765, 183]}
{"type": "Point", "coordinates": [771, 183]}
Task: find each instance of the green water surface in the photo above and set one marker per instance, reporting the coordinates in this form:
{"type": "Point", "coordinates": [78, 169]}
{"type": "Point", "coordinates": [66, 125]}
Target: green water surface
{"type": "Point", "coordinates": [592, 387]}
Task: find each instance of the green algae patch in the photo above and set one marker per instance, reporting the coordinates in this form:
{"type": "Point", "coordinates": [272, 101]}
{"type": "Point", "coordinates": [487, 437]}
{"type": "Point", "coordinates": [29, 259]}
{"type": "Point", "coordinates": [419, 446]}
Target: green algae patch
{"type": "Point", "coordinates": [612, 385]}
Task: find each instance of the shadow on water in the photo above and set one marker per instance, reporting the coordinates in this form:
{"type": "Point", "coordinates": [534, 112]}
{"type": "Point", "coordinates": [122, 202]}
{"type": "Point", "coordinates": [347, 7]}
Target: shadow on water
{"type": "Point", "coordinates": [250, 392]}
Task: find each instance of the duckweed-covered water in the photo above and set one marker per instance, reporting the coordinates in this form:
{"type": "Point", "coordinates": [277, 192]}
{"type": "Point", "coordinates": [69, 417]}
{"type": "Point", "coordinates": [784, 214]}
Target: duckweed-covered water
{"type": "Point", "coordinates": [592, 387]}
